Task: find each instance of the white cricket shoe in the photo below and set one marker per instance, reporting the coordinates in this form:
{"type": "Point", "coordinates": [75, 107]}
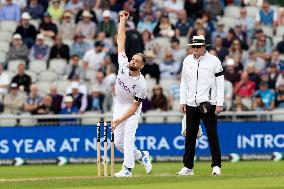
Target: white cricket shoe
{"type": "Point", "coordinates": [185, 172]}
{"type": "Point", "coordinates": [124, 172]}
{"type": "Point", "coordinates": [216, 170]}
{"type": "Point", "coordinates": [146, 162]}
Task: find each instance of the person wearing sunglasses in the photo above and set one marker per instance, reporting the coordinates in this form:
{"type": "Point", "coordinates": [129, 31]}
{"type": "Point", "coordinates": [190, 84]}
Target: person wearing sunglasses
{"type": "Point", "coordinates": [201, 97]}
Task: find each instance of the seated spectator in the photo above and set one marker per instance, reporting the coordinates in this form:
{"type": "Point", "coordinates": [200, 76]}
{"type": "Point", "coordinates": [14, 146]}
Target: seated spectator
{"type": "Point", "coordinates": [86, 26]}
{"type": "Point", "coordinates": [55, 10]}
{"type": "Point", "coordinates": [39, 51]}
{"type": "Point", "coordinates": [273, 74]}
{"type": "Point", "coordinates": [10, 12]}
{"type": "Point", "coordinates": [94, 57]}
{"type": "Point", "coordinates": [236, 49]}
{"type": "Point", "coordinates": [79, 46]}
{"type": "Point", "coordinates": [262, 49]}
{"type": "Point", "coordinates": [220, 31]}
{"type": "Point", "coordinates": [26, 30]}
{"type": "Point", "coordinates": [254, 3]}
{"type": "Point", "coordinates": [258, 104]}
{"type": "Point", "coordinates": [266, 16]}
{"type": "Point", "coordinates": [259, 34]}
{"type": "Point", "coordinates": [228, 40]}
{"type": "Point", "coordinates": [214, 7]}
{"type": "Point", "coordinates": [221, 51]}
{"type": "Point", "coordinates": [280, 96]}
{"type": "Point", "coordinates": [254, 59]}
{"type": "Point", "coordinates": [56, 98]}
{"type": "Point", "coordinates": [101, 82]}
{"type": "Point", "coordinates": [68, 109]}
{"type": "Point", "coordinates": [241, 35]}
{"type": "Point", "coordinates": [280, 79]}
{"type": "Point", "coordinates": [164, 27]}
{"type": "Point", "coordinates": [275, 59]}
{"type": "Point", "coordinates": [35, 9]}
{"type": "Point", "coordinates": [67, 28]}
{"type": "Point", "coordinates": [82, 87]}
{"type": "Point", "coordinates": [13, 101]}
{"type": "Point", "coordinates": [184, 26]}
{"type": "Point", "coordinates": [18, 50]}
{"type": "Point", "coordinates": [45, 107]}
{"type": "Point", "coordinates": [228, 95]}
{"type": "Point", "coordinates": [280, 16]}
{"type": "Point", "coordinates": [22, 80]}
{"type": "Point", "coordinates": [59, 49]}
{"type": "Point", "coordinates": [73, 68]}
{"type": "Point", "coordinates": [147, 23]}
{"type": "Point", "coordinates": [21, 3]}
{"type": "Point", "coordinates": [151, 68]}
{"type": "Point", "coordinates": [280, 46]}
{"type": "Point", "coordinates": [33, 100]}
{"type": "Point", "coordinates": [231, 74]}
{"type": "Point", "coordinates": [108, 69]}
{"type": "Point", "coordinates": [253, 76]}
{"type": "Point", "coordinates": [96, 100]}
{"type": "Point", "coordinates": [107, 25]}
{"type": "Point", "coordinates": [267, 96]}
{"type": "Point", "coordinates": [108, 46]}
{"type": "Point", "coordinates": [146, 7]}
{"type": "Point", "coordinates": [173, 7]}
{"type": "Point", "coordinates": [238, 105]}
{"type": "Point", "coordinates": [169, 68]}
{"type": "Point", "coordinates": [47, 27]}
{"type": "Point", "coordinates": [86, 7]}
{"type": "Point", "coordinates": [179, 53]}
{"type": "Point", "coordinates": [150, 44]}
{"type": "Point", "coordinates": [245, 88]}
{"type": "Point", "coordinates": [207, 22]}
{"type": "Point", "coordinates": [134, 42]}
{"type": "Point", "coordinates": [159, 100]}
{"type": "Point", "coordinates": [4, 84]}
{"type": "Point", "coordinates": [79, 99]}
{"type": "Point", "coordinates": [247, 23]}
{"type": "Point", "coordinates": [265, 77]}
{"type": "Point", "coordinates": [74, 6]}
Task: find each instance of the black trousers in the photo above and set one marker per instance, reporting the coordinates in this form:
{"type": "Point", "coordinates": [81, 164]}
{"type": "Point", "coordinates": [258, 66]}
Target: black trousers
{"type": "Point", "coordinates": [193, 117]}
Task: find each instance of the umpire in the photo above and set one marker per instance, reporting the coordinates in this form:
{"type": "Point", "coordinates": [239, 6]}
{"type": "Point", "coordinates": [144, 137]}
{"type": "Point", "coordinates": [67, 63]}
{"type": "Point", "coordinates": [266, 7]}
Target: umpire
{"type": "Point", "coordinates": [201, 97]}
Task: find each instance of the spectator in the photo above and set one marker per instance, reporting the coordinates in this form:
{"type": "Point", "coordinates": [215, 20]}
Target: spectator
{"type": "Point", "coordinates": [265, 77]}
{"type": "Point", "coordinates": [280, 79]}
{"type": "Point", "coordinates": [173, 7]}
{"type": "Point", "coordinates": [147, 23]}
{"type": "Point", "coordinates": [4, 84]}
{"type": "Point", "coordinates": [94, 57]}
{"type": "Point", "coordinates": [148, 6]}
{"type": "Point", "coordinates": [159, 100]}
{"type": "Point", "coordinates": [280, 96]}
{"type": "Point", "coordinates": [231, 74]}
{"type": "Point", "coordinates": [151, 68]}
{"type": "Point", "coordinates": [74, 6]}
{"type": "Point", "coordinates": [35, 9]}
{"type": "Point", "coordinates": [100, 82]}
{"type": "Point", "coordinates": [69, 109]}
{"type": "Point", "coordinates": [228, 40]}
{"type": "Point", "coordinates": [59, 49]}
{"type": "Point", "coordinates": [193, 8]}
{"type": "Point", "coordinates": [255, 3]}
{"type": "Point", "coordinates": [79, 99]}
{"type": "Point", "coordinates": [179, 53]}
{"type": "Point", "coordinates": [221, 51]}
{"type": "Point", "coordinates": [258, 62]}
{"type": "Point", "coordinates": [56, 98]}
{"type": "Point", "coordinates": [13, 101]}
{"type": "Point", "coordinates": [96, 99]}
{"type": "Point", "coordinates": [241, 35]}
{"type": "Point", "coordinates": [164, 27]}
{"type": "Point", "coordinates": [134, 42]}
{"type": "Point", "coordinates": [73, 69]}
{"type": "Point", "coordinates": [259, 34]}
{"type": "Point", "coordinates": [33, 100]}
{"type": "Point", "coordinates": [280, 18]}
{"type": "Point", "coordinates": [106, 42]}
{"type": "Point", "coordinates": [253, 76]}
{"type": "Point", "coordinates": [47, 27]}
{"type": "Point", "coordinates": [262, 49]}
{"type": "Point", "coordinates": [27, 30]}
{"type": "Point", "coordinates": [55, 10]}
{"type": "Point", "coordinates": [214, 7]}
{"type": "Point", "coordinates": [220, 31]}
{"type": "Point", "coordinates": [236, 49]}
{"type": "Point", "coordinates": [45, 107]}
{"type": "Point", "coordinates": [184, 26]}
{"type": "Point", "coordinates": [280, 46]}
{"type": "Point", "coordinates": [18, 50]}
{"type": "Point", "coordinates": [86, 8]}
{"type": "Point", "coordinates": [109, 69]}
{"type": "Point", "coordinates": [39, 51]}
{"type": "Point", "coordinates": [275, 59]}
{"type": "Point", "coordinates": [107, 25]}
{"type": "Point", "coordinates": [22, 79]}
{"type": "Point", "coordinates": [238, 105]}
{"type": "Point", "coordinates": [21, 3]}
{"type": "Point", "coordinates": [82, 87]}
{"type": "Point", "coordinates": [149, 43]}
{"type": "Point", "coordinates": [207, 22]}
{"type": "Point", "coordinates": [267, 96]}
{"type": "Point", "coordinates": [10, 12]}
{"type": "Point", "coordinates": [79, 46]}
{"type": "Point", "coordinates": [67, 28]}
{"type": "Point", "coordinates": [247, 23]}
{"type": "Point", "coordinates": [169, 68]}
{"type": "Point", "coordinates": [258, 104]}
{"type": "Point", "coordinates": [245, 88]}
{"type": "Point", "coordinates": [266, 16]}
{"type": "Point", "coordinates": [273, 74]}
{"type": "Point", "coordinates": [86, 26]}
{"type": "Point", "coordinates": [228, 95]}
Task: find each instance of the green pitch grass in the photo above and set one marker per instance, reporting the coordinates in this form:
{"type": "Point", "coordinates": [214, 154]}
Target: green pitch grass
{"type": "Point", "coordinates": [241, 175]}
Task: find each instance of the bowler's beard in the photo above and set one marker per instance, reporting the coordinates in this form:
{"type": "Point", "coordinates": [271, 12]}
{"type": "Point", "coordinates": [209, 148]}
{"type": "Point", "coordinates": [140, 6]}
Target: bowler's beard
{"type": "Point", "coordinates": [132, 68]}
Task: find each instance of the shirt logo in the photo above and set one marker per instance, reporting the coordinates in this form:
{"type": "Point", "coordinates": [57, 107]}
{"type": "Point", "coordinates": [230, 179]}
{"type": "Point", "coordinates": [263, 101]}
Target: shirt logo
{"type": "Point", "coordinates": [123, 85]}
{"type": "Point", "coordinates": [133, 86]}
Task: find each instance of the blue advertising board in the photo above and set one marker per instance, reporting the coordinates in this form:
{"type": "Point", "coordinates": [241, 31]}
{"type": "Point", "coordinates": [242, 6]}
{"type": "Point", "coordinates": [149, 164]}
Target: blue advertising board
{"type": "Point", "coordinates": [159, 139]}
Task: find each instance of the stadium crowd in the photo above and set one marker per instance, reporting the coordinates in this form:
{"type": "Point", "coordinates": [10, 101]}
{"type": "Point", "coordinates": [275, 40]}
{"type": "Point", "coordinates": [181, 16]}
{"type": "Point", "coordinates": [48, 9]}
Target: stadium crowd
{"type": "Point", "coordinates": [60, 56]}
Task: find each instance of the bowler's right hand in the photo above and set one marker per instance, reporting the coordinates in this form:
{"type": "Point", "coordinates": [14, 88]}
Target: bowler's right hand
{"type": "Point", "coordinates": [123, 15]}
{"type": "Point", "coordinates": [182, 108]}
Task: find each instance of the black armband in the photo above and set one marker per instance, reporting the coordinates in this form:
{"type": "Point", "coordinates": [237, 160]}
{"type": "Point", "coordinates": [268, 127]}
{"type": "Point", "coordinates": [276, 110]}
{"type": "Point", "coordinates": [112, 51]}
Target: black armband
{"type": "Point", "coordinates": [138, 99]}
{"type": "Point", "coordinates": [219, 73]}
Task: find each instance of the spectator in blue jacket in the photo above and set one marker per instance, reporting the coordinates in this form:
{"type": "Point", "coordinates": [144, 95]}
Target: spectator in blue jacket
{"type": "Point", "coordinates": [10, 12]}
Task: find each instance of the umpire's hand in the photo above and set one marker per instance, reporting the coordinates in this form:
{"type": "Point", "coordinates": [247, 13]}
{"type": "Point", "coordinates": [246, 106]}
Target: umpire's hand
{"type": "Point", "coordinates": [218, 110]}
{"type": "Point", "coordinates": [182, 108]}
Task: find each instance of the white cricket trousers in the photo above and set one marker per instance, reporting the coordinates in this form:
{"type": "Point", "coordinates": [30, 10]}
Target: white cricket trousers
{"type": "Point", "coordinates": [124, 138]}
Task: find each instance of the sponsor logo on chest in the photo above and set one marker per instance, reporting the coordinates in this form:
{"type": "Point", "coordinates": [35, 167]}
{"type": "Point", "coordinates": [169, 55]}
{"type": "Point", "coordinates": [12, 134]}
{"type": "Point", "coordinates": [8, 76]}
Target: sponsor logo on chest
{"type": "Point", "coordinates": [123, 85]}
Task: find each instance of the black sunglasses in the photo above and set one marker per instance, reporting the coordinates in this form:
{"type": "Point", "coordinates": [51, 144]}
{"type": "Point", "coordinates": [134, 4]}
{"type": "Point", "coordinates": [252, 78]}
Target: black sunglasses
{"type": "Point", "coordinates": [196, 46]}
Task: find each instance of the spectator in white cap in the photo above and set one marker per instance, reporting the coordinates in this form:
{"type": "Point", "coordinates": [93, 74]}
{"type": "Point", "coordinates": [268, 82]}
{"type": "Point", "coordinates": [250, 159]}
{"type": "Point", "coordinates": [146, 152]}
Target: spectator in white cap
{"type": "Point", "coordinates": [231, 74]}
{"type": "Point", "coordinates": [27, 30]}
{"type": "Point", "coordinates": [86, 7]}
{"type": "Point", "coordinates": [13, 101]}
{"type": "Point", "coordinates": [86, 26]}
{"type": "Point", "coordinates": [35, 9]}
{"type": "Point", "coordinates": [69, 107]}
{"type": "Point", "coordinates": [10, 12]}
{"type": "Point", "coordinates": [40, 51]}
{"type": "Point", "coordinates": [18, 50]}
{"type": "Point", "coordinates": [67, 28]}
{"type": "Point", "coordinates": [80, 99]}
{"type": "Point", "coordinates": [107, 25]}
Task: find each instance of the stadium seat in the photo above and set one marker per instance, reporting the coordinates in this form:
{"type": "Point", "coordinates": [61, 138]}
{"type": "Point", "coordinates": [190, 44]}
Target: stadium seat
{"type": "Point", "coordinates": [13, 65]}
{"type": "Point", "coordinates": [9, 26]}
{"type": "Point", "coordinates": [35, 23]}
{"type": "Point", "coordinates": [276, 40]}
{"type": "Point", "coordinates": [89, 74]}
{"type": "Point", "coordinates": [57, 65]}
{"type": "Point", "coordinates": [274, 7]}
{"type": "Point", "coordinates": [4, 46]}
{"type": "Point", "coordinates": [167, 83]}
{"type": "Point", "coordinates": [252, 11]}
{"type": "Point", "coordinates": [232, 11]}
{"type": "Point", "coordinates": [32, 75]}
{"type": "Point", "coordinates": [7, 122]}
{"type": "Point", "coordinates": [68, 42]}
{"type": "Point", "coordinates": [280, 31]}
{"type": "Point", "coordinates": [229, 21]}
{"type": "Point", "coordinates": [91, 120]}
{"type": "Point", "coordinates": [43, 87]}
{"type": "Point", "coordinates": [267, 30]}
{"type": "Point", "coordinates": [90, 41]}
{"type": "Point", "coordinates": [156, 119]}
{"type": "Point", "coordinates": [27, 122]}
{"type": "Point", "coordinates": [163, 42]}
{"type": "Point", "coordinates": [48, 76]}
{"type": "Point", "coordinates": [62, 86]}
{"type": "Point", "coordinates": [183, 42]}
{"type": "Point", "coordinates": [174, 119]}
{"type": "Point", "coordinates": [2, 57]}
{"type": "Point", "coordinates": [5, 36]}
{"type": "Point", "coordinates": [176, 105]}
{"type": "Point", "coordinates": [11, 74]}
{"type": "Point", "coordinates": [37, 66]}
{"type": "Point", "coordinates": [49, 42]}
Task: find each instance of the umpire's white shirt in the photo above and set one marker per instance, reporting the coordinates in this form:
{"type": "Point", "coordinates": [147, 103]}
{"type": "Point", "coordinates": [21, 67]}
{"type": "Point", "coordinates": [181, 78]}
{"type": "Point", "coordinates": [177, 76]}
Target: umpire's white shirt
{"type": "Point", "coordinates": [202, 80]}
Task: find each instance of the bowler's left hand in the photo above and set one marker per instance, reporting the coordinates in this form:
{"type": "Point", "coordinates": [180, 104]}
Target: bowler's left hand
{"type": "Point", "coordinates": [218, 110]}
{"type": "Point", "coordinates": [115, 123]}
